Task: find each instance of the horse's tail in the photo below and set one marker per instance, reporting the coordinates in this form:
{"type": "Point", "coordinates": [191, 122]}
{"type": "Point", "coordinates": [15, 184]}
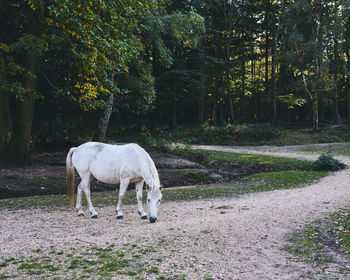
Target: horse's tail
{"type": "Point", "coordinates": [70, 177]}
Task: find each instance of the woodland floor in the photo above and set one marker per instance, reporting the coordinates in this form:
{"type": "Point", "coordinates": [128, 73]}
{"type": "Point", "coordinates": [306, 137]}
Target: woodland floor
{"type": "Point", "coordinates": [47, 174]}
{"type": "Point", "coordinates": [222, 238]}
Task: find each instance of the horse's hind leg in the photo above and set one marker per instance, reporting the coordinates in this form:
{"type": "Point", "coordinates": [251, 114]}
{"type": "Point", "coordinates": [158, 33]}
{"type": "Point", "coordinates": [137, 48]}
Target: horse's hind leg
{"type": "Point", "coordinates": [138, 187]}
{"type": "Point", "coordinates": [78, 206]}
{"type": "Point", "coordinates": [122, 189]}
{"type": "Point", "coordinates": [86, 190]}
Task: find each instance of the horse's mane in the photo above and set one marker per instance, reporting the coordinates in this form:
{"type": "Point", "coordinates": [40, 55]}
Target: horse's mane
{"type": "Point", "coordinates": [152, 179]}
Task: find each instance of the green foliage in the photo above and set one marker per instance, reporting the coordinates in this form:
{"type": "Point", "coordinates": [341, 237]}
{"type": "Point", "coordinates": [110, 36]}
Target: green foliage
{"type": "Point", "coordinates": [291, 100]}
{"type": "Point", "coordinates": [138, 93]}
{"type": "Point", "coordinates": [327, 162]}
{"type": "Point", "coordinates": [96, 39]}
{"type": "Point", "coordinates": [164, 32]}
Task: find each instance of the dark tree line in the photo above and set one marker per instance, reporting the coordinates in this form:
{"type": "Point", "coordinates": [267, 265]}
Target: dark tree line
{"type": "Point", "coordinates": [70, 65]}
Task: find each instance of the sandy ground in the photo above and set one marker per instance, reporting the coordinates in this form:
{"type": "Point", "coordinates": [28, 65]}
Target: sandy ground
{"type": "Point", "coordinates": [223, 238]}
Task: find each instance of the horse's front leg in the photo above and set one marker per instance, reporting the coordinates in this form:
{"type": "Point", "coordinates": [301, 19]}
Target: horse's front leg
{"type": "Point", "coordinates": [140, 210]}
{"type": "Point", "coordinates": [124, 183]}
{"type": "Point", "coordinates": [88, 199]}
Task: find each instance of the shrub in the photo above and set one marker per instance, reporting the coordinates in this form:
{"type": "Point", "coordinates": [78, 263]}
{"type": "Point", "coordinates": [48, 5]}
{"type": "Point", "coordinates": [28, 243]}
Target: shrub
{"type": "Point", "coordinates": [255, 133]}
{"type": "Point", "coordinates": [326, 162]}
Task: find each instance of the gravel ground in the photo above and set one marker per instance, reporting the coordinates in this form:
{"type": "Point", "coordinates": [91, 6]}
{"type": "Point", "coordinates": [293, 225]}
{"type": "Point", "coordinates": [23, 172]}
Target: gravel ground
{"type": "Point", "coordinates": [222, 238]}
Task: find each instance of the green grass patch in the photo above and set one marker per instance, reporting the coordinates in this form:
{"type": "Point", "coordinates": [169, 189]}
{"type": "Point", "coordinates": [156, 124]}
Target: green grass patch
{"type": "Point", "coordinates": [341, 227]}
{"type": "Point", "coordinates": [334, 148]}
{"type": "Point", "coordinates": [255, 183]}
{"type": "Point", "coordinates": [323, 242]}
{"type": "Point", "coordinates": [277, 163]}
{"type": "Point", "coordinates": [197, 176]}
{"type": "Point", "coordinates": [206, 157]}
{"type": "Point", "coordinates": [93, 261]}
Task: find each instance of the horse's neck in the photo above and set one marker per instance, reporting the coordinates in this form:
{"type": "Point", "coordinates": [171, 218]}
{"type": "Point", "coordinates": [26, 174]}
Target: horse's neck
{"type": "Point", "coordinates": [152, 177]}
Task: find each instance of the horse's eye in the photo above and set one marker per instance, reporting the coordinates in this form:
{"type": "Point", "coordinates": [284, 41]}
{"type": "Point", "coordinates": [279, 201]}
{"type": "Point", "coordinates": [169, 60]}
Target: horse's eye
{"type": "Point", "coordinates": [148, 200]}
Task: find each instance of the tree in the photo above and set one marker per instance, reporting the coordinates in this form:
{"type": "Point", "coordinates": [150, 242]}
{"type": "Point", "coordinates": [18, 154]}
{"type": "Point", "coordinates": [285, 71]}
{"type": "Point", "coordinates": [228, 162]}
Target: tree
{"type": "Point", "coordinates": [170, 37]}
{"type": "Point", "coordinates": [306, 35]}
{"type": "Point", "coordinates": [97, 39]}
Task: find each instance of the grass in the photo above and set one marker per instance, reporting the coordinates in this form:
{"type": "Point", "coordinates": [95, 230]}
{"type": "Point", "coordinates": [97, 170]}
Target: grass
{"type": "Point", "coordinates": [206, 157]}
{"type": "Point", "coordinates": [91, 262]}
{"type": "Point", "coordinates": [255, 183]}
{"type": "Point", "coordinates": [323, 242]}
{"type": "Point", "coordinates": [334, 148]}
{"type": "Point", "coordinates": [110, 197]}
{"type": "Point", "coordinates": [277, 163]}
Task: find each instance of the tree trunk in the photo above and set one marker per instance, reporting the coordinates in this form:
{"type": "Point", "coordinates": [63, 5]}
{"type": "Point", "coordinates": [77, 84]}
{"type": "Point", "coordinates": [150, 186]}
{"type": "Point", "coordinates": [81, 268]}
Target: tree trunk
{"type": "Point", "coordinates": [104, 119]}
{"type": "Point", "coordinates": [266, 64]}
{"type": "Point", "coordinates": [314, 101]}
{"type": "Point", "coordinates": [273, 80]}
{"type": "Point", "coordinates": [201, 106]}
{"type": "Point", "coordinates": [23, 118]}
{"type": "Point", "coordinates": [215, 104]}
{"type": "Point", "coordinates": [315, 113]}
{"type": "Point", "coordinates": [228, 13]}
{"type": "Point", "coordinates": [19, 146]}
{"type": "Point", "coordinates": [173, 116]}
{"type": "Point", "coordinates": [321, 114]}
{"type": "Point", "coordinates": [347, 87]}
{"type": "Point", "coordinates": [242, 97]}
{"type": "Point", "coordinates": [6, 126]}
{"type": "Point", "coordinates": [337, 117]}
{"type": "Point", "coordinates": [201, 101]}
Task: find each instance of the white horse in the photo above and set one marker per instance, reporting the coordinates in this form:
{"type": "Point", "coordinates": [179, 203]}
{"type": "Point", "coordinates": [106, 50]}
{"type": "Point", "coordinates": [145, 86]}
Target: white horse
{"type": "Point", "coordinates": [114, 164]}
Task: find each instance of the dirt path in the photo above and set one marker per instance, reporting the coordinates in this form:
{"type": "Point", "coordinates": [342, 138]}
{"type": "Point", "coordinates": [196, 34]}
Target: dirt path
{"type": "Point", "coordinates": [223, 238]}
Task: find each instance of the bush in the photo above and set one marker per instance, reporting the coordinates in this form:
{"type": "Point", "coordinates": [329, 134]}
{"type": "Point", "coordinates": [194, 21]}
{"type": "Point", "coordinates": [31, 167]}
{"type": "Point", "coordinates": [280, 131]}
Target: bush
{"type": "Point", "coordinates": [326, 162]}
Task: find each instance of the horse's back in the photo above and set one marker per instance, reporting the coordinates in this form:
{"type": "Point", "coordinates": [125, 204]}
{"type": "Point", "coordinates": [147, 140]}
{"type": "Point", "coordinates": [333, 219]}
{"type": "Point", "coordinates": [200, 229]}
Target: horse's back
{"type": "Point", "coordinates": [109, 163]}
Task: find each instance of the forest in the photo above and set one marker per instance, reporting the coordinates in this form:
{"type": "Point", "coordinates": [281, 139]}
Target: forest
{"type": "Point", "coordinates": [73, 68]}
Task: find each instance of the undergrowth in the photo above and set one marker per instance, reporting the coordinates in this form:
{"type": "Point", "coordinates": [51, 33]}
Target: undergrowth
{"type": "Point", "coordinates": [245, 134]}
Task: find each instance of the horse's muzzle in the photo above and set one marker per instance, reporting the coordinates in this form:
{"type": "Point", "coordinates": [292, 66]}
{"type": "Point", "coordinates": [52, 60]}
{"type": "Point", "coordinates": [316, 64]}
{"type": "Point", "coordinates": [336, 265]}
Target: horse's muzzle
{"type": "Point", "coordinates": [152, 219]}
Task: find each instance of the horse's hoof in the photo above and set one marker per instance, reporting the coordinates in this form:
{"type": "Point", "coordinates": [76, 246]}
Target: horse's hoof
{"type": "Point", "coordinates": [81, 215]}
{"type": "Point", "coordinates": [144, 217]}
{"type": "Point", "coordinates": [120, 217]}
{"type": "Point", "coordinates": [94, 217]}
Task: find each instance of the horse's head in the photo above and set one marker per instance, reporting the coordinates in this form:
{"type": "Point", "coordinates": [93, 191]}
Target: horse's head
{"type": "Point", "coordinates": [154, 196]}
